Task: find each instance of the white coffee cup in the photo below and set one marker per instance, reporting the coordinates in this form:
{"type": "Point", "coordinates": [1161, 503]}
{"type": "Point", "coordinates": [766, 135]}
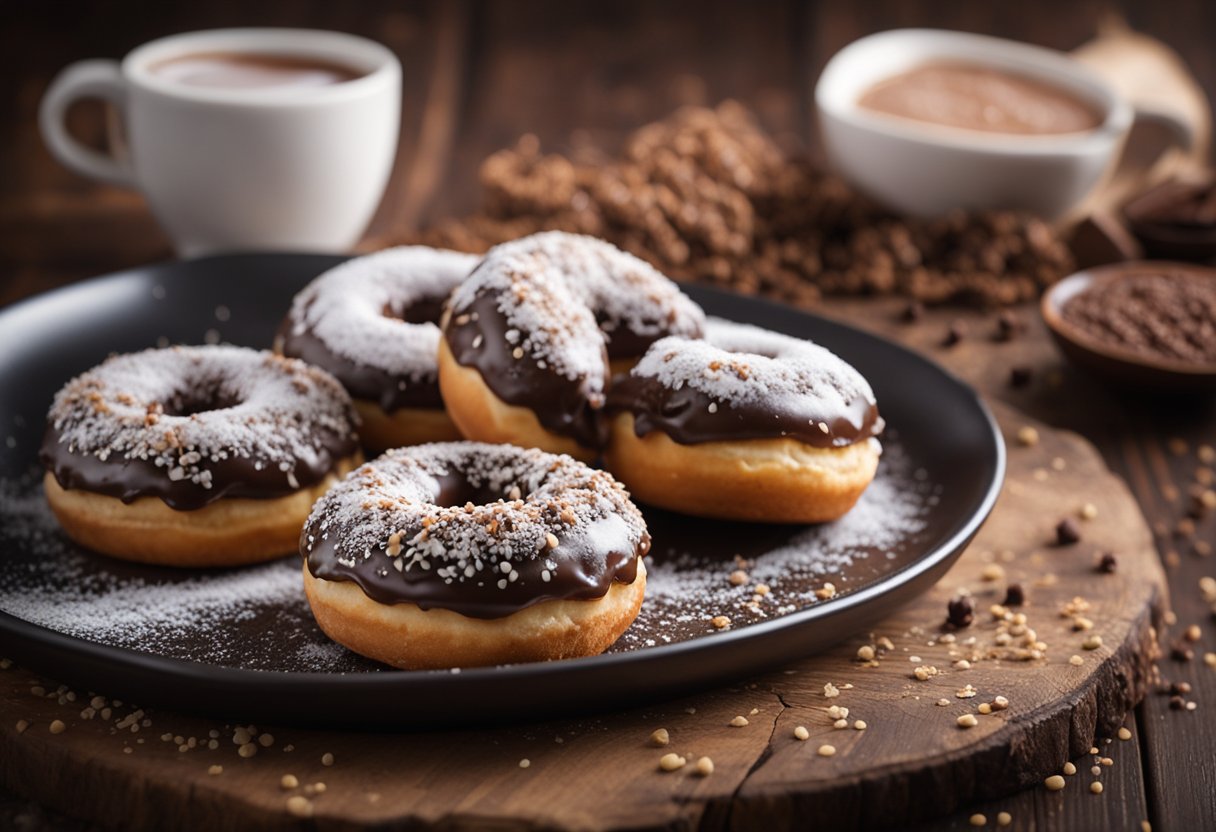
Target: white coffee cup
{"type": "Point", "coordinates": [232, 168]}
{"type": "Point", "coordinates": [926, 169]}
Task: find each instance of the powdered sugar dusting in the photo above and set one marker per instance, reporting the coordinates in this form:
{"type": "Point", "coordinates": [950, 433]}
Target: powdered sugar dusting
{"type": "Point", "coordinates": [345, 307]}
{"type": "Point", "coordinates": [272, 410]}
{"type": "Point", "coordinates": [738, 364]}
{"type": "Point", "coordinates": [564, 295]}
{"type": "Point", "coordinates": [387, 508]}
{"type": "Point", "coordinates": [683, 592]}
{"type": "Point", "coordinates": [254, 618]}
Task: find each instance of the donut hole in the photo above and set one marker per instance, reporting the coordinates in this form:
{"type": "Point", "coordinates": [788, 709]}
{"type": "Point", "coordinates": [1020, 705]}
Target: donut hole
{"type": "Point", "coordinates": [456, 490]}
{"type": "Point", "coordinates": [187, 403]}
{"type": "Point", "coordinates": [425, 311]}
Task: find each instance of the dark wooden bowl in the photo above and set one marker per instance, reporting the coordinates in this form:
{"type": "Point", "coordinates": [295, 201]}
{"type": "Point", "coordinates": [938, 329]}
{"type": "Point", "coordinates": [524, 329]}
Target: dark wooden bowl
{"type": "Point", "coordinates": [1121, 367]}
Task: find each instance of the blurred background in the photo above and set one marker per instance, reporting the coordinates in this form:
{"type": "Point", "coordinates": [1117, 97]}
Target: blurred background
{"type": "Point", "coordinates": [478, 75]}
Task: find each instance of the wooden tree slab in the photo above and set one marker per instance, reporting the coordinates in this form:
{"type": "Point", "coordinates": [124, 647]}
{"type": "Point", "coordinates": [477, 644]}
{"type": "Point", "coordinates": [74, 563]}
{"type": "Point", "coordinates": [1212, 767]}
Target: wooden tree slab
{"type": "Point", "coordinates": [911, 761]}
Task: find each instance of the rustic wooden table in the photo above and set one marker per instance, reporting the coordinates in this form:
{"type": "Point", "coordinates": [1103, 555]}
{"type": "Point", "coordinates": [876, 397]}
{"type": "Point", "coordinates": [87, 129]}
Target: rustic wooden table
{"type": "Point", "coordinates": [480, 74]}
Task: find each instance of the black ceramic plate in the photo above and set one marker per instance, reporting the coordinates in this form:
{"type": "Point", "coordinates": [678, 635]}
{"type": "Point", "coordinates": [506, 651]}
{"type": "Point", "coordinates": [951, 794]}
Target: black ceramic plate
{"type": "Point", "coordinates": [241, 643]}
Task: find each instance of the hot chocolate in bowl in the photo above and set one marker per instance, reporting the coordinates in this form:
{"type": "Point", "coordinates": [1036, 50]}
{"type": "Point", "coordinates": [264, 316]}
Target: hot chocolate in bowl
{"type": "Point", "coordinates": [928, 122]}
{"type": "Point", "coordinates": [975, 97]}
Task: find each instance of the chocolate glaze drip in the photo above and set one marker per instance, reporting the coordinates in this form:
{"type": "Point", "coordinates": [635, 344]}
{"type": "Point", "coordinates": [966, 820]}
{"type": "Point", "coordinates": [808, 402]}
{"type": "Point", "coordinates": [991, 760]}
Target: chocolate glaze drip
{"type": "Point", "coordinates": [565, 406]}
{"type": "Point", "coordinates": [685, 415]}
{"type": "Point", "coordinates": [391, 392]}
{"type": "Point", "coordinates": [586, 566]}
{"type": "Point", "coordinates": [129, 479]}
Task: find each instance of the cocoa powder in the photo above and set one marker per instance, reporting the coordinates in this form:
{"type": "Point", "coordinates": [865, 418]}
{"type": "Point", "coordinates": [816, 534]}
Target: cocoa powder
{"type": "Point", "coordinates": [1162, 315]}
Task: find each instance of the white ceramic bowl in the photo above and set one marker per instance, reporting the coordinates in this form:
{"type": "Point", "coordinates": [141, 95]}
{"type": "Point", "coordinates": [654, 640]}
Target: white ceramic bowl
{"type": "Point", "coordinates": [926, 169]}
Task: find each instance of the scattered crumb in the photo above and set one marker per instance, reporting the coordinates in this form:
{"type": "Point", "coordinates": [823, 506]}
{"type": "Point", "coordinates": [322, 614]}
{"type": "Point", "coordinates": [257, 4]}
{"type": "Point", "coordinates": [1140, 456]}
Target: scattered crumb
{"type": "Point", "coordinates": [525, 763]}
{"type": "Point", "coordinates": [660, 738]}
{"type": "Point", "coordinates": [1054, 783]}
{"type": "Point", "coordinates": [671, 762]}
{"type": "Point", "coordinates": [299, 806]}
{"type": "Point", "coordinates": [247, 750]}
{"type": "Point", "coordinates": [215, 770]}
{"type": "Point", "coordinates": [327, 759]}
{"type": "Point", "coordinates": [1028, 436]}
{"type": "Point", "coordinates": [801, 733]}
{"type": "Point", "coordinates": [978, 820]}
{"type": "Point", "coordinates": [705, 767]}
{"type": "Point", "coordinates": [57, 726]}
{"type": "Point", "coordinates": [1070, 769]}
{"type": "Point", "coordinates": [738, 722]}
{"type": "Point", "coordinates": [1096, 787]}
{"type": "Point", "coordinates": [1125, 734]}
{"type": "Point", "coordinates": [1003, 819]}
{"type": "Point", "coordinates": [22, 725]}
{"type": "Point", "coordinates": [289, 782]}
{"type": "Point", "coordinates": [830, 691]}
{"type": "Point", "coordinates": [967, 721]}
{"type": "Point", "coordinates": [827, 750]}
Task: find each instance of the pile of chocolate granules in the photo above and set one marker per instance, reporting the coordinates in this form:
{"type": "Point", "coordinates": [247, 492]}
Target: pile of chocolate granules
{"type": "Point", "coordinates": [707, 196]}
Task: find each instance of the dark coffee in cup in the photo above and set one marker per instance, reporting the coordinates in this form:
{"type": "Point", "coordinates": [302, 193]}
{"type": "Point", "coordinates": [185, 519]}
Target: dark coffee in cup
{"type": "Point", "coordinates": [249, 70]}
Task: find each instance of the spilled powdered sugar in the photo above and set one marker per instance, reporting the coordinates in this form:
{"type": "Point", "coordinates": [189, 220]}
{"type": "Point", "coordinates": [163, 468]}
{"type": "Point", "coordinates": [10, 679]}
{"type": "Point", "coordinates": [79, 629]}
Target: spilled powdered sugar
{"type": "Point", "coordinates": [738, 364]}
{"type": "Point", "coordinates": [258, 618]}
{"type": "Point", "coordinates": [253, 618]}
{"type": "Point", "coordinates": [553, 287]}
{"type": "Point", "coordinates": [684, 593]}
{"type": "Point", "coordinates": [349, 307]}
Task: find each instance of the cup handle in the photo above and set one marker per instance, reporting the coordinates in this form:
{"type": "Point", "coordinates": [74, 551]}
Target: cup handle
{"type": "Point", "coordinates": [85, 79]}
{"type": "Point", "coordinates": [1180, 131]}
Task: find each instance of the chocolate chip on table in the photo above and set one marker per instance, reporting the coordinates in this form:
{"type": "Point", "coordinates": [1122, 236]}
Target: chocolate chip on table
{"type": "Point", "coordinates": [1067, 532]}
{"type": "Point", "coordinates": [1015, 596]}
{"type": "Point", "coordinates": [1177, 703]}
{"type": "Point", "coordinates": [913, 312]}
{"type": "Point", "coordinates": [1181, 653]}
{"type": "Point", "coordinates": [1180, 688]}
{"type": "Point", "coordinates": [1020, 376]}
{"type": "Point", "coordinates": [1107, 563]}
{"type": "Point", "coordinates": [960, 612]}
{"type": "Point", "coordinates": [954, 334]}
{"type": "Point", "coordinates": [1009, 326]}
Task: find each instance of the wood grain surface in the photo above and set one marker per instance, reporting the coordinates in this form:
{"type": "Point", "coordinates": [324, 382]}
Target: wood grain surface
{"type": "Point", "coordinates": [911, 761]}
{"type": "Point", "coordinates": [487, 72]}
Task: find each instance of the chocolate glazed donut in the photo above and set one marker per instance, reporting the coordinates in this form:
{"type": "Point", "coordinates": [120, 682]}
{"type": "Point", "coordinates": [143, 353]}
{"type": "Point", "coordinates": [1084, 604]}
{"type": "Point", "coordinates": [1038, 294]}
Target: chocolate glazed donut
{"type": "Point", "coordinates": [372, 323]}
{"type": "Point", "coordinates": [747, 425]}
{"type": "Point", "coordinates": [530, 339]}
{"type": "Point", "coordinates": [462, 554]}
{"type": "Point", "coordinates": [195, 456]}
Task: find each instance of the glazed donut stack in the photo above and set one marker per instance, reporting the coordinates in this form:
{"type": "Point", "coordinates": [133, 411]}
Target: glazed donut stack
{"type": "Point", "coordinates": [548, 353]}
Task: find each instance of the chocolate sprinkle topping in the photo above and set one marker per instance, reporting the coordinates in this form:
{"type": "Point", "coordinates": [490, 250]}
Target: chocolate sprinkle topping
{"type": "Point", "coordinates": [192, 425]}
{"type": "Point", "coordinates": [482, 530]}
{"type": "Point", "coordinates": [743, 382]}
